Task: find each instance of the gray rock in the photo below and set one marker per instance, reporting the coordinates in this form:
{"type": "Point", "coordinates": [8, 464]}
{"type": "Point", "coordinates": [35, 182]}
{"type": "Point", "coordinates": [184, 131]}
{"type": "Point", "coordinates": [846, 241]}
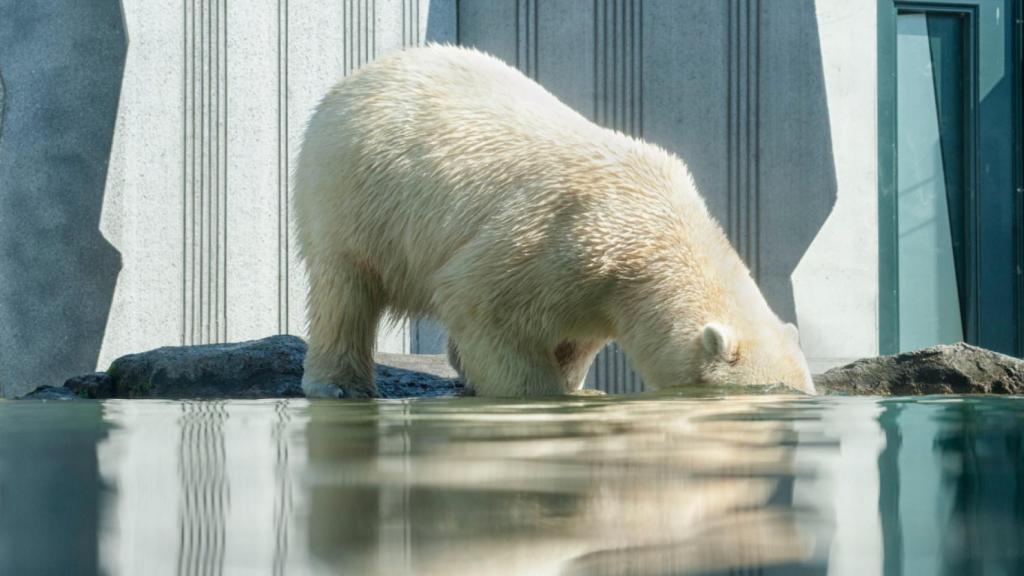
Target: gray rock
{"type": "Point", "coordinates": [267, 368]}
{"type": "Point", "coordinates": [416, 375]}
{"type": "Point", "coordinates": [945, 369]}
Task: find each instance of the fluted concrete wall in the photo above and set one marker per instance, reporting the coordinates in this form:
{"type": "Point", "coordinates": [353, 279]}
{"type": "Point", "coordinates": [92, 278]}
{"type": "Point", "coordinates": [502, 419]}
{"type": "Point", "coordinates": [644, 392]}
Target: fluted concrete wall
{"type": "Point", "coordinates": [145, 150]}
{"type": "Point", "coordinates": [230, 109]}
{"type": "Point", "coordinates": [215, 97]}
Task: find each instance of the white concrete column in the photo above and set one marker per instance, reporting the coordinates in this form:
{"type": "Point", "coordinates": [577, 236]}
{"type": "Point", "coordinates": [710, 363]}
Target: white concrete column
{"type": "Point", "coordinates": [215, 97]}
{"type": "Point", "coordinates": [835, 286]}
{"type": "Point", "coordinates": [144, 199]}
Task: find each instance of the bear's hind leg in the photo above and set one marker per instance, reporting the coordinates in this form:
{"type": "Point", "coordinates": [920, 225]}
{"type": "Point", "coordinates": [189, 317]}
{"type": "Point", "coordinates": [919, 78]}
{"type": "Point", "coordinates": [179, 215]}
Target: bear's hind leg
{"type": "Point", "coordinates": [574, 358]}
{"type": "Point", "coordinates": [345, 303]}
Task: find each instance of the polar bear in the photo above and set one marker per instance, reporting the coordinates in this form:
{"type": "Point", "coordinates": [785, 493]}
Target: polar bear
{"type": "Point", "coordinates": [441, 182]}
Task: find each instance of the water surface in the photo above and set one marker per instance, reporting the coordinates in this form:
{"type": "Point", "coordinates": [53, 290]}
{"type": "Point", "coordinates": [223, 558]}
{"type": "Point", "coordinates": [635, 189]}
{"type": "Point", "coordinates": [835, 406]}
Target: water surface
{"type": "Point", "coordinates": [625, 485]}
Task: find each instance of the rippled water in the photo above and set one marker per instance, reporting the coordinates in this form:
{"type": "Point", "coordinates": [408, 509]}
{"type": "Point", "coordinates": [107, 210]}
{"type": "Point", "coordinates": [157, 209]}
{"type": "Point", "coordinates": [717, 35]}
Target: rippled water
{"type": "Point", "coordinates": [623, 485]}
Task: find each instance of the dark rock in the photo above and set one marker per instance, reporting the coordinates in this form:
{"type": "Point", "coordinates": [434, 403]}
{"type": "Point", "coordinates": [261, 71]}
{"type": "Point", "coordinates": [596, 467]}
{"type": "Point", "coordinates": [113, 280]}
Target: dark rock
{"type": "Point", "coordinates": [267, 368]}
{"type": "Point", "coordinates": [945, 369]}
{"type": "Point", "coordinates": [50, 393]}
{"type": "Point", "coordinates": [272, 368]}
{"type": "Point", "coordinates": [95, 385]}
{"type": "Point", "coordinates": [408, 376]}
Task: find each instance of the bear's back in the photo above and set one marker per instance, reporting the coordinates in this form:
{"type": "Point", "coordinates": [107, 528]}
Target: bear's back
{"type": "Point", "coordinates": [447, 80]}
{"type": "Point", "coordinates": [430, 150]}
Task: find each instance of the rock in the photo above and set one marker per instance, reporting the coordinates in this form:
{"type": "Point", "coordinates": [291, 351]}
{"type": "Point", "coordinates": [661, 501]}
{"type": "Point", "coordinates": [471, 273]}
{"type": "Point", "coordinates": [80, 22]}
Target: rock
{"type": "Point", "coordinates": [95, 385]}
{"type": "Point", "coordinates": [50, 393]}
{"type": "Point", "coordinates": [945, 369]}
{"type": "Point", "coordinates": [267, 368]}
{"type": "Point", "coordinates": [272, 368]}
{"type": "Point", "coordinates": [413, 375]}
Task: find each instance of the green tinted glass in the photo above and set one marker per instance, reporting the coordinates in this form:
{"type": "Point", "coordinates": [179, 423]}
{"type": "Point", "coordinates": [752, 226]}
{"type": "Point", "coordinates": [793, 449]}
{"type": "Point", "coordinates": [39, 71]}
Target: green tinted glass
{"type": "Point", "coordinates": [930, 178]}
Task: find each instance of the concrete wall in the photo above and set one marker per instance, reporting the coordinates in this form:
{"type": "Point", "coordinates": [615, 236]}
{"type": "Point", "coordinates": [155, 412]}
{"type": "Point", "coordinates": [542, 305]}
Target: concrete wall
{"type": "Point", "coordinates": [215, 98]}
{"type": "Point", "coordinates": [145, 148]}
{"type": "Point", "coordinates": [149, 207]}
{"type": "Point", "coordinates": [61, 65]}
{"type": "Point", "coordinates": [835, 283]}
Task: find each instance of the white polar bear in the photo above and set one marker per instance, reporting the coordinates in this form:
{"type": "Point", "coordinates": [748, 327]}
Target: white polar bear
{"type": "Point", "coordinates": [441, 182]}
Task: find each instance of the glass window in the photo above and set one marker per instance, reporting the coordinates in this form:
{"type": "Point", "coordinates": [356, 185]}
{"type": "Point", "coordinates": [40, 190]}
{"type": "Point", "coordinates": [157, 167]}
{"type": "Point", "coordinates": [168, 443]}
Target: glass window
{"type": "Point", "coordinates": [930, 178]}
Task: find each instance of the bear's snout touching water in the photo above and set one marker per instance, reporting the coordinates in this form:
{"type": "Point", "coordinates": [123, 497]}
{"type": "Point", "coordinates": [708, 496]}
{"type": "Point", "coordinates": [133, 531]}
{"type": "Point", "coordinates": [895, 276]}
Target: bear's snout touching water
{"type": "Point", "coordinates": [441, 182]}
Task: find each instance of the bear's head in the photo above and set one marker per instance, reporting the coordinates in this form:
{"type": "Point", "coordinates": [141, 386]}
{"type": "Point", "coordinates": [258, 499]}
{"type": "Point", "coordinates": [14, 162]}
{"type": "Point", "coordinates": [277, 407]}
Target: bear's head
{"type": "Point", "coordinates": [743, 351]}
{"type": "Point", "coordinates": [765, 353]}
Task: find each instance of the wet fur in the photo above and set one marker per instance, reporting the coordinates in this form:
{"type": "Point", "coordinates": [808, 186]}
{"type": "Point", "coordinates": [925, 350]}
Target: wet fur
{"type": "Point", "coordinates": [441, 182]}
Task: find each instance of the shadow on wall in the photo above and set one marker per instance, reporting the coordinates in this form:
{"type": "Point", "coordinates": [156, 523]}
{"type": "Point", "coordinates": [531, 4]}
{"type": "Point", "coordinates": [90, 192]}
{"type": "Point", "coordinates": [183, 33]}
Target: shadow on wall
{"type": "Point", "coordinates": [428, 336]}
{"type": "Point", "coordinates": [748, 112]}
{"type": "Point", "coordinates": [62, 65]}
{"type": "Point", "coordinates": [797, 174]}
{"type": "Point", "coordinates": [1, 104]}
{"type": "Point", "coordinates": [736, 89]}
{"type": "Point", "coordinates": [441, 21]}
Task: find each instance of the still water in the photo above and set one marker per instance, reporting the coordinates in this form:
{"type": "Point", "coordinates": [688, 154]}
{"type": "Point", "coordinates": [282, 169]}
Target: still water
{"type": "Point", "coordinates": [625, 485]}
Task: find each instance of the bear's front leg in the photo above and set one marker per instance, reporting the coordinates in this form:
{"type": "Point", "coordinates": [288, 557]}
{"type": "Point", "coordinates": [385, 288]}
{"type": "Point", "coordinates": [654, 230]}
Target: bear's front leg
{"type": "Point", "coordinates": [455, 361]}
{"type": "Point", "coordinates": [344, 308]}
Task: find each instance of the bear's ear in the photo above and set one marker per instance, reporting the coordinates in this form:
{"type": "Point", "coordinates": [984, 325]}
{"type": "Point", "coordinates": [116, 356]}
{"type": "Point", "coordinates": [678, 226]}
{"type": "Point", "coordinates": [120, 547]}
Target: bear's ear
{"type": "Point", "coordinates": [792, 333]}
{"type": "Point", "coordinates": [719, 341]}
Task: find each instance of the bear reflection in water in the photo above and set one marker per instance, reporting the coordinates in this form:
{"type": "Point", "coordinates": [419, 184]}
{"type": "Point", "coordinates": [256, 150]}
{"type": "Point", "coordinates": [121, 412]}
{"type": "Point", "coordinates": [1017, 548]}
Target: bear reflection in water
{"type": "Point", "coordinates": [651, 484]}
{"type": "Point", "coordinates": [515, 489]}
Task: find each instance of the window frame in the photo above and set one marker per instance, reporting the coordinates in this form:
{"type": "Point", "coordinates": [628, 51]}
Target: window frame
{"type": "Point", "coordinates": [888, 223]}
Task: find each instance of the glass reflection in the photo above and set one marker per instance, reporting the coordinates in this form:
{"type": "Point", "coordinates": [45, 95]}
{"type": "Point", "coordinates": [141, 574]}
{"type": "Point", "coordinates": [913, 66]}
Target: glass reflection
{"type": "Point", "coordinates": [50, 488]}
{"type": "Point", "coordinates": [956, 487]}
{"type": "Point", "coordinates": [283, 484]}
{"type": "Point", "coordinates": [204, 488]}
{"type": "Point", "coordinates": [651, 484]}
